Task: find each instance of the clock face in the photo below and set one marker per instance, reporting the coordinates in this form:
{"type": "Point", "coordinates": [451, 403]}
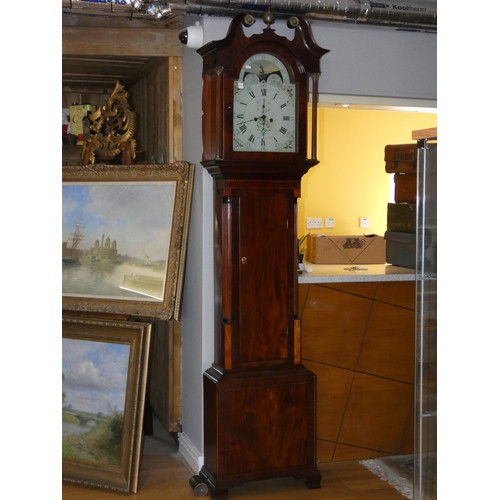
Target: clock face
{"type": "Point", "coordinates": [264, 107]}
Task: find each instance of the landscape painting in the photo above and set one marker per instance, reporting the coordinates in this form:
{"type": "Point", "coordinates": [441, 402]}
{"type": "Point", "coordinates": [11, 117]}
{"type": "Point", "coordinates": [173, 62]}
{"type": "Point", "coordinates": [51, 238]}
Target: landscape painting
{"type": "Point", "coordinates": [94, 381]}
{"type": "Point", "coordinates": [104, 369]}
{"type": "Point", "coordinates": [124, 237]}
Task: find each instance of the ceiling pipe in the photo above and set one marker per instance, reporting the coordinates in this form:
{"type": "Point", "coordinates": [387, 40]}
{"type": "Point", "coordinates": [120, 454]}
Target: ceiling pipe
{"type": "Point", "coordinates": [416, 15]}
{"type": "Point", "coordinates": [133, 9]}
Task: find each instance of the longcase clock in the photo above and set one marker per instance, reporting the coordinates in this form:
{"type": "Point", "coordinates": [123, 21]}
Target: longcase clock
{"type": "Point", "coordinates": [259, 400]}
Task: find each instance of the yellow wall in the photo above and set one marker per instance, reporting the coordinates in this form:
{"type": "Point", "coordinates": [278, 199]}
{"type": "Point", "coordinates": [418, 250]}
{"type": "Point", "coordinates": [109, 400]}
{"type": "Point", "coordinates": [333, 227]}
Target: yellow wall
{"type": "Point", "coordinates": [350, 181]}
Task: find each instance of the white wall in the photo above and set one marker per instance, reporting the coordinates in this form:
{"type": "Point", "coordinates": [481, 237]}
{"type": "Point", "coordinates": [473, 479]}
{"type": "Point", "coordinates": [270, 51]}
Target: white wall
{"type": "Point", "coordinates": [374, 62]}
{"type": "Point", "coordinates": [197, 308]}
{"type": "Point", "coordinates": [377, 62]}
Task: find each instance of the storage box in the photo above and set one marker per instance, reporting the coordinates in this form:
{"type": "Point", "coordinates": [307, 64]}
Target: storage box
{"type": "Point", "coordinates": [76, 114]}
{"type": "Point", "coordinates": [322, 249]}
{"type": "Point", "coordinates": [405, 188]}
{"type": "Point", "coordinates": [402, 217]}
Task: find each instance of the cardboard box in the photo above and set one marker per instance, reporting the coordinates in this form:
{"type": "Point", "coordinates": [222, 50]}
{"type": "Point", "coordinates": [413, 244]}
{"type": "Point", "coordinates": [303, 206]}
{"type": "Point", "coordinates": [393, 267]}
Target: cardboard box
{"type": "Point", "coordinates": [368, 249]}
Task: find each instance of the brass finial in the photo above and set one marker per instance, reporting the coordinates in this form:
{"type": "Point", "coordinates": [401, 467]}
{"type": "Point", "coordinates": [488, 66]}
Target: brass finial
{"type": "Point", "coordinates": [268, 18]}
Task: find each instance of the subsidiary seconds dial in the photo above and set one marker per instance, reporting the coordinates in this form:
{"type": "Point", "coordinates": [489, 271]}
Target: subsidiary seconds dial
{"type": "Point", "coordinates": [264, 117]}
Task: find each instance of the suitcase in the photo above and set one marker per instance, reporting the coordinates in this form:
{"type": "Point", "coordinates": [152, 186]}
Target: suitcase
{"type": "Point", "coordinates": [401, 158]}
{"type": "Point", "coordinates": [405, 188]}
{"type": "Point", "coordinates": [401, 250]}
{"type": "Point", "coordinates": [402, 217]}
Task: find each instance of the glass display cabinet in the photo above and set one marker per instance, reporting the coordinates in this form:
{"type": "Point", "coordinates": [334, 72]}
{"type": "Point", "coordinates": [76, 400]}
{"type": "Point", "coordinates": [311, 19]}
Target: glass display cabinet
{"type": "Point", "coordinates": [425, 435]}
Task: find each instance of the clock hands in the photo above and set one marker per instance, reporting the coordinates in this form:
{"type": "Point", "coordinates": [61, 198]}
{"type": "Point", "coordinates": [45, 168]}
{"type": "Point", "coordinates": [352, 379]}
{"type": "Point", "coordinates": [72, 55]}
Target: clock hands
{"type": "Point", "coordinates": [262, 119]}
{"type": "Point", "coordinates": [262, 123]}
{"type": "Point", "coordinates": [264, 116]}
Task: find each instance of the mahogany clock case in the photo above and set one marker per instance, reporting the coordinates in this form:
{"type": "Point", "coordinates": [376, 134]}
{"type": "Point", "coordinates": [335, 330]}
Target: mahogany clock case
{"type": "Point", "coordinates": [259, 401]}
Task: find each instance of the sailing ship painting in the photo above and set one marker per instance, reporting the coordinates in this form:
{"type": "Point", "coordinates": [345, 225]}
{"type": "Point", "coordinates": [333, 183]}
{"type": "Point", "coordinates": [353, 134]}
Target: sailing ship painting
{"type": "Point", "coordinates": [70, 252]}
{"type": "Point", "coordinates": [119, 246]}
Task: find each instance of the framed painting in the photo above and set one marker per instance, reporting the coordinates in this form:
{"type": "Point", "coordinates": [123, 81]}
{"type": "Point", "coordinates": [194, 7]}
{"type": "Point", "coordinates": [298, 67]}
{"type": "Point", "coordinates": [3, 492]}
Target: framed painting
{"type": "Point", "coordinates": [104, 371]}
{"type": "Point", "coordinates": [124, 238]}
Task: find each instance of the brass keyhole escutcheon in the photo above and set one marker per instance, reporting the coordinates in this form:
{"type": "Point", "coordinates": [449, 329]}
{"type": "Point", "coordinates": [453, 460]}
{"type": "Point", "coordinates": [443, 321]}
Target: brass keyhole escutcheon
{"type": "Point", "coordinates": [243, 260]}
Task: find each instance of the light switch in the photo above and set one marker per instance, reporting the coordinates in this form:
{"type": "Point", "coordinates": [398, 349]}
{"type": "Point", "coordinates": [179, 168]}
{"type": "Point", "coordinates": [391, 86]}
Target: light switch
{"type": "Point", "coordinates": [329, 222]}
{"type": "Point", "coordinates": [364, 222]}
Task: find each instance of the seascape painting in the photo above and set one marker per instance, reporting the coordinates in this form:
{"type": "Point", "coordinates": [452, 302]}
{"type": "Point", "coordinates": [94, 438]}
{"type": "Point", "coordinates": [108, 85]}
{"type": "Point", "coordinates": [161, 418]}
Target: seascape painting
{"type": "Point", "coordinates": [116, 239]}
{"type": "Point", "coordinates": [124, 238]}
{"type": "Point", "coordinates": [94, 384]}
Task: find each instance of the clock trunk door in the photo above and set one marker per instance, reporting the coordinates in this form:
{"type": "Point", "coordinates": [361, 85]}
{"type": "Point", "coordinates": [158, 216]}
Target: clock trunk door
{"type": "Point", "coordinates": [264, 233]}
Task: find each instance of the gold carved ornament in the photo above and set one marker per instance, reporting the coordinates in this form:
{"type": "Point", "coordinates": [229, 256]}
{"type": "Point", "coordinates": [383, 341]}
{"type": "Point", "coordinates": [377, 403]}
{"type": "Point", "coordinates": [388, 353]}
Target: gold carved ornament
{"type": "Point", "coordinates": [110, 129]}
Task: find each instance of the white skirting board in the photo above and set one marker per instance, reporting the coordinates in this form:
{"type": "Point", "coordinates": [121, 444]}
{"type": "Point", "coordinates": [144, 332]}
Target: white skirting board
{"type": "Point", "coordinates": [190, 454]}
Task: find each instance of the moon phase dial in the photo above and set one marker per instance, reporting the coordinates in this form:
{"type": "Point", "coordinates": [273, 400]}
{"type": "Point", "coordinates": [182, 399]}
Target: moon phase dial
{"type": "Point", "coordinates": [264, 67]}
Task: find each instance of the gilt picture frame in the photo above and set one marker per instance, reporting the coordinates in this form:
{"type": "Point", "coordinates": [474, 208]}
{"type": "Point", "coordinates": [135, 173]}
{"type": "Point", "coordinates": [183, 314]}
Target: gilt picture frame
{"type": "Point", "coordinates": [124, 238]}
{"type": "Point", "coordinates": [104, 374]}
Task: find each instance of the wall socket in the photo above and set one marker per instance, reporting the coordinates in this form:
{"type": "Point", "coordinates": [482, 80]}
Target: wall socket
{"type": "Point", "coordinates": [364, 222]}
{"type": "Point", "coordinates": [329, 222]}
{"type": "Point", "coordinates": [314, 223]}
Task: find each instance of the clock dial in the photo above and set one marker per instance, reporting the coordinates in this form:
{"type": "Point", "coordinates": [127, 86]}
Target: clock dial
{"type": "Point", "coordinates": [264, 106]}
{"type": "Point", "coordinates": [264, 117]}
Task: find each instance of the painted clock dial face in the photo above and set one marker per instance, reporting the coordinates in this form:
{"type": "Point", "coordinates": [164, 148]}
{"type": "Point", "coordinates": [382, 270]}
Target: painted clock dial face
{"type": "Point", "coordinates": [264, 107]}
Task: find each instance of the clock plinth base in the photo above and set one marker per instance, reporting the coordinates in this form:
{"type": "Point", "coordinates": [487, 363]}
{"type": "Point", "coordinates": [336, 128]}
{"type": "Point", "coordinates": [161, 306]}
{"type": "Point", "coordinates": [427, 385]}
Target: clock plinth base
{"type": "Point", "coordinates": [220, 490]}
{"type": "Point", "coordinates": [259, 424]}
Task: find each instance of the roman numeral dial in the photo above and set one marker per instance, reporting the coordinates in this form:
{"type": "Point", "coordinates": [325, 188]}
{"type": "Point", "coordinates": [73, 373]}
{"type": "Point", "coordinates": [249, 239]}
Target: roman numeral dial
{"type": "Point", "coordinates": [264, 117]}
